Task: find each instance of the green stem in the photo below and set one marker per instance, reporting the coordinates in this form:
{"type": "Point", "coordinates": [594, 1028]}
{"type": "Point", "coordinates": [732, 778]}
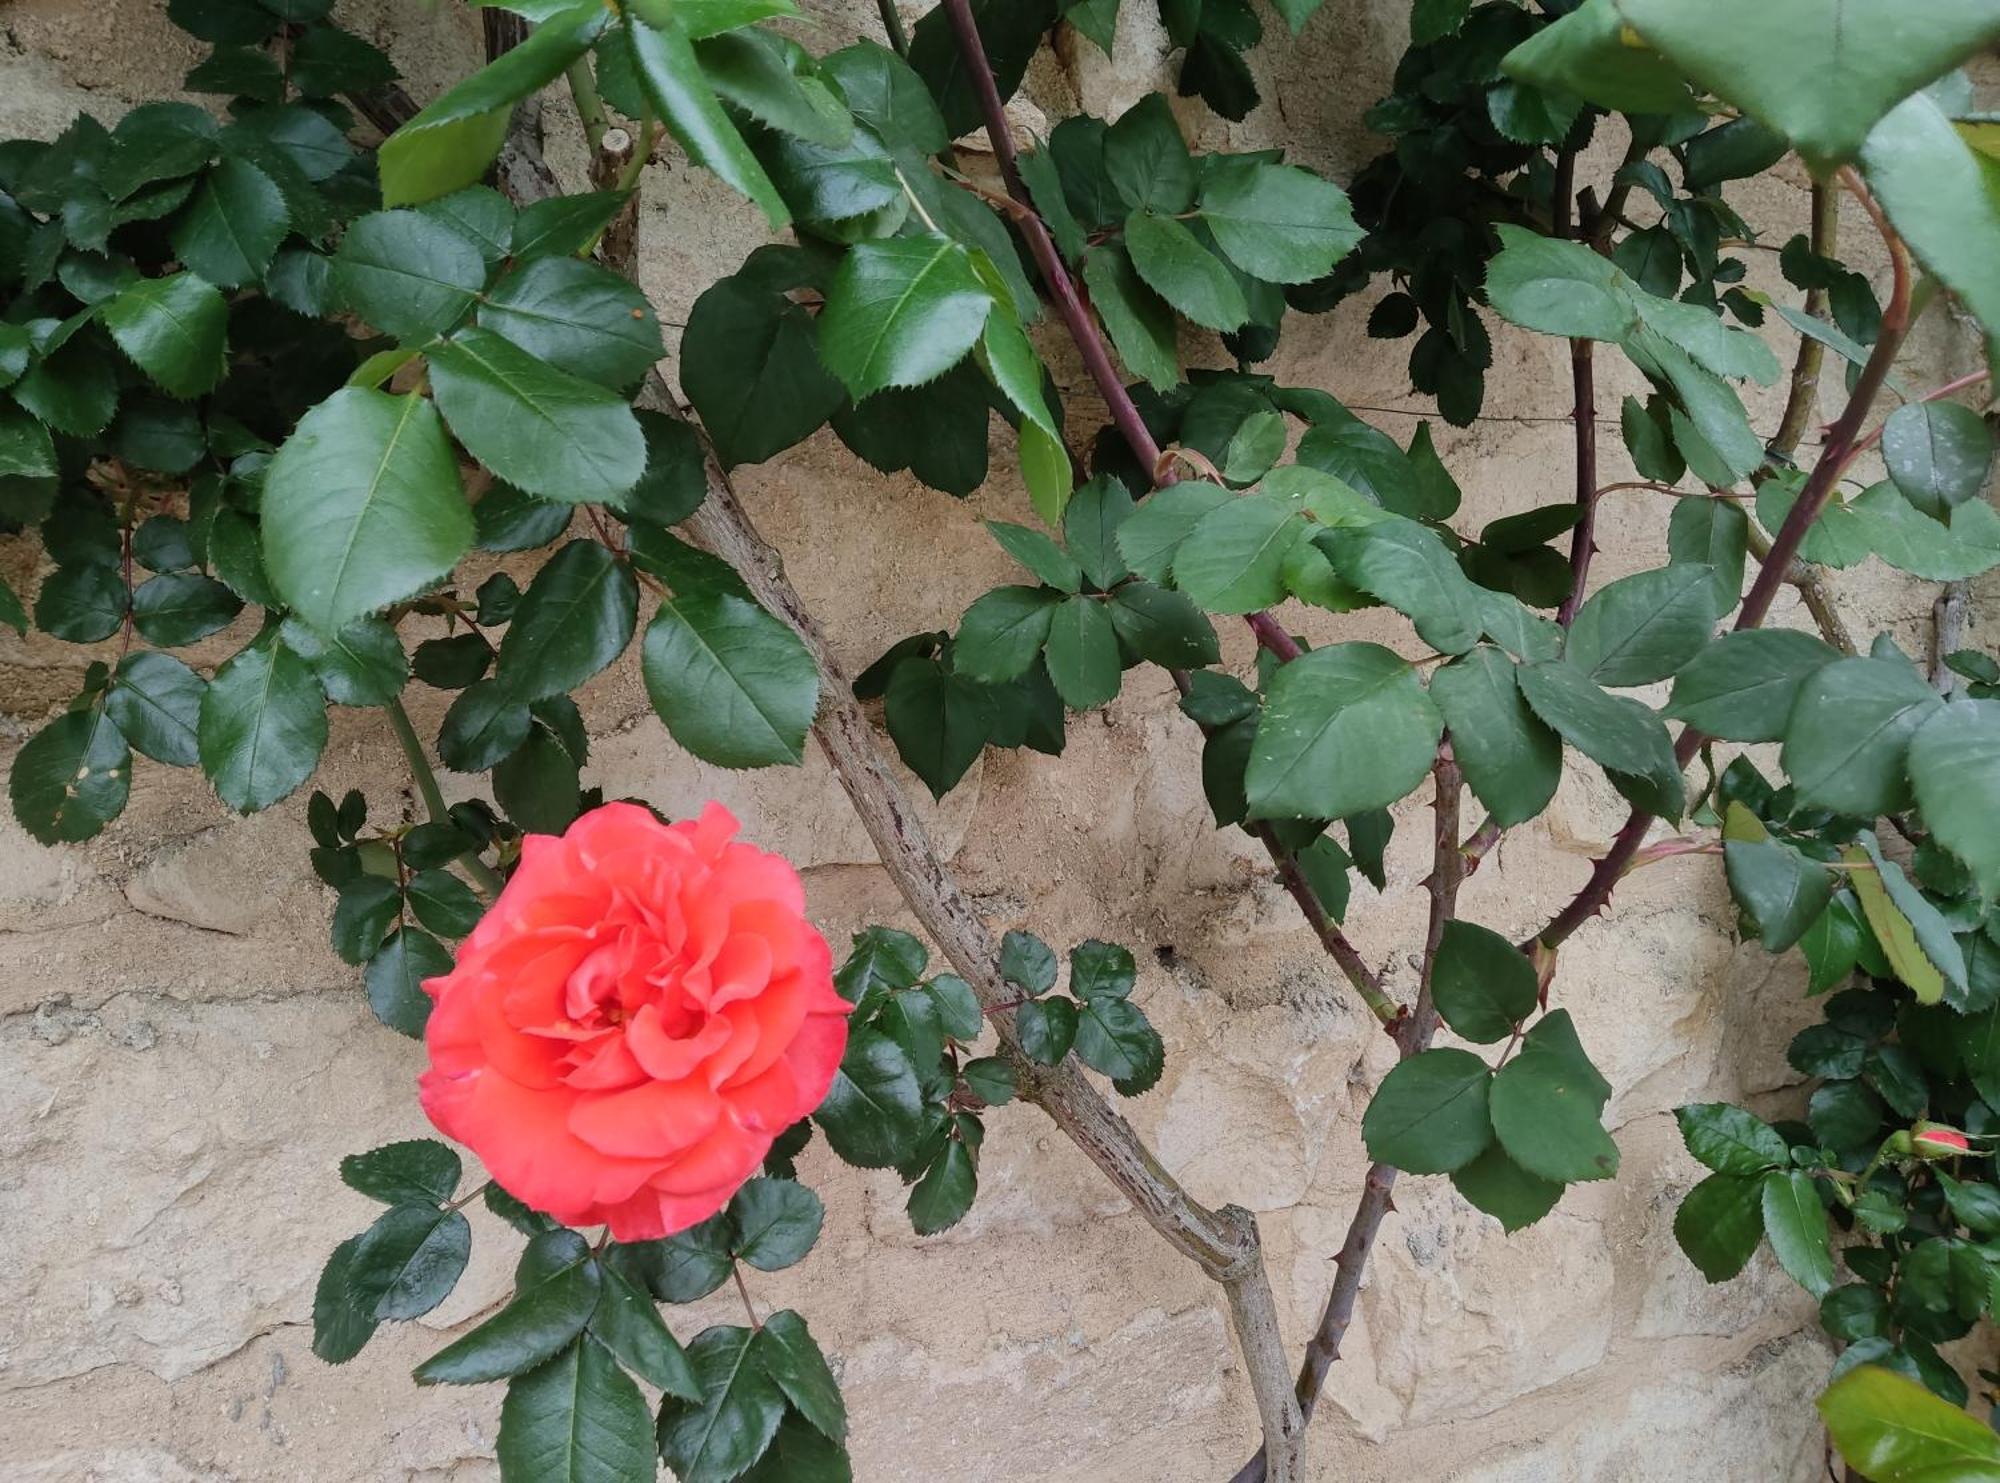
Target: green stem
{"type": "Point", "coordinates": [589, 107]}
{"type": "Point", "coordinates": [483, 875]}
{"type": "Point", "coordinates": [649, 135]}
{"type": "Point", "coordinates": [893, 24]}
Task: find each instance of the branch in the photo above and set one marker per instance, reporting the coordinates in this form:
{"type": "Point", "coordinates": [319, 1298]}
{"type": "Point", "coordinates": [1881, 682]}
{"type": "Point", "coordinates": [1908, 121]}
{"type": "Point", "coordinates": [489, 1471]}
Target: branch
{"type": "Point", "coordinates": [1840, 448]}
{"type": "Point", "coordinates": [1804, 393]}
{"type": "Point", "coordinates": [1448, 872]}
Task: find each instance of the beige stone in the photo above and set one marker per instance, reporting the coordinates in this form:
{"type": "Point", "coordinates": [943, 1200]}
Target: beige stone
{"type": "Point", "coordinates": [183, 1061]}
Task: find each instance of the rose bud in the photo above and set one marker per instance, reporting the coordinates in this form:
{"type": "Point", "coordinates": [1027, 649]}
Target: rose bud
{"type": "Point", "coordinates": [638, 1016]}
{"type": "Point", "coordinates": [1936, 1141]}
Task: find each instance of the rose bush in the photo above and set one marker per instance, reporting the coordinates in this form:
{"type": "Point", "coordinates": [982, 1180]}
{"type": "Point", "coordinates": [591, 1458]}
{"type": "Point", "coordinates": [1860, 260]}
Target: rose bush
{"type": "Point", "coordinates": [644, 1009]}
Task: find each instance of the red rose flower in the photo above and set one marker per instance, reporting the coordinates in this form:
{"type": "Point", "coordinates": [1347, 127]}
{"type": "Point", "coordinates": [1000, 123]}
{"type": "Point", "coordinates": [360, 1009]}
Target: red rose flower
{"type": "Point", "coordinates": [637, 1017]}
{"type": "Point", "coordinates": [1936, 1141]}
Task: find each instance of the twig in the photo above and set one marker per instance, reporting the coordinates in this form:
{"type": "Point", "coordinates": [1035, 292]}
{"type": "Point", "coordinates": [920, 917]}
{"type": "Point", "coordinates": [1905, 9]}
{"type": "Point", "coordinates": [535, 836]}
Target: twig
{"type": "Point", "coordinates": [892, 26]}
{"type": "Point", "coordinates": [1947, 635]}
{"type": "Point", "coordinates": [1448, 871]}
{"type": "Point", "coordinates": [1804, 393]}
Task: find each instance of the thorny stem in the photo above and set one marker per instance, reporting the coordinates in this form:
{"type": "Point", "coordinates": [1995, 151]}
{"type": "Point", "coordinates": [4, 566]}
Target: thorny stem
{"type": "Point", "coordinates": [1448, 871]}
{"type": "Point", "coordinates": [1812, 499]}
{"type": "Point", "coordinates": [1583, 411]}
{"type": "Point", "coordinates": [482, 874]}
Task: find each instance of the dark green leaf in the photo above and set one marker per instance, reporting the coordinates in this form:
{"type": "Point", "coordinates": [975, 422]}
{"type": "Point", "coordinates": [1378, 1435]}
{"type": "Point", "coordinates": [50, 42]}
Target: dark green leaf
{"type": "Point", "coordinates": [1643, 628]}
{"type": "Point", "coordinates": [719, 1437]}
{"type": "Point", "coordinates": [1729, 1140]}
{"type": "Point", "coordinates": [407, 273]}
{"type": "Point", "coordinates": [1546, 1104]}
{"type": "Point", "coordinates": [411, 1258]}
{"type": "Point", "coordinates": [870, 1114]}
{"type": "Point", "coordinates": [1795, 1222]}
{"type": "Point", "coordinates": [1741, 688]}
{"type": "Point", "coordinates": [1503, 1189]}
{"type": "Point", "coordinates": [628, 1324]}
{"type": "Point", "coordinates": [155, 700]}
{"type": "Point", "coordinates": [777, 1221]}
{"type": "Point", "coordinates": [1047, 1029]}
{"type": "Point", "coordinates": [232, 225]}
{"type": "Point", "coordinates": [1512, 762]}
{"type": "Point", "coordinates": [685, 100]}
{"type": "Point", "coordinates": [1719, 1224]}
{"type": "Point", "coordinates": [1483, 985]}
{"type": "Point", "coordinates": [1174, 263]}
{"type": "Point", "coordinates": [1617, 733]}
{"type": "Point", "coordinates": [1429, 1114]}
{"type": "Point", "coordinates": [262, 727]}
{"type": "Point", "coordinates": [395, 978]}
{"type": "Point", "coordinates": [1954, 767]}
{"type": "Point", "coordinates": [1345, 729]}
{"type": "Point", "coordinates": [72, 777]}
{"type": "Point", "coordinates": [576, 1418]}
{"type": "Point", "coordinates": [555, 1291]}
{"type": "Point", "coordinates": [579, 317]}
{"type": "Point", "coordinates": [901, 312]}
{"type": "Point", "coordinates": [785, 1348]}
{"type": "Point", "coordinates": [176, 608]}
{"type": "Point", "coordinates": [420, 1171]}
{"type": "Point", "coordinates": [1849, 732]}
{"type": "Point", "coordinates": [939, 720]}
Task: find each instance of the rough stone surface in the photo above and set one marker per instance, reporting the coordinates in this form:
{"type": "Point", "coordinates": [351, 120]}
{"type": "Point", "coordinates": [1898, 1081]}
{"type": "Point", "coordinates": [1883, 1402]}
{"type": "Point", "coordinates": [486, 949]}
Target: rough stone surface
{"type": "Point", "coordinates": [183, 1061]}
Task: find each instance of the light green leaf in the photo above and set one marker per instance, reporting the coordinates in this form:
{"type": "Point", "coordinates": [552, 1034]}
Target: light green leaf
{"type": "Point", "coordinates": [1894, 1430]}
{"type": "Point", "coordinates": [1954, 766]}
{"type": "Point", "coordinates": [361, 507]}
{"type": "Point", "coordinates": [1849, 732]}
{"type": "Point", "coordinates": [901, 312]}
{"type": "Point", "coordinates": [685, 100]}
{"type": "Point", "coordinates": [262, 727]}
{"type": "Point", "coordinates": [1233, 559]}
{"type": "Point", "coordinates": [1938, 454]}
{"type": "Point", "coordinates": [450, 143]}
{"type": "Point", "coordinates": [1173, 262]}
{"type": "Point", "coordinates": [1345, 729]}
{"type": "Point", "coordinates": [1587, 54]}
{"type": "Point", "coordinates": [1820, 75]}
{"type": "Point", "coordinates": [1643, 628]}
{"type": "Point", "coordinates": [1546, 1104]}
{"type": "Point", "coordinates": [1407, 566]}
{"type": "Point", "coordinates": [1278, 222]}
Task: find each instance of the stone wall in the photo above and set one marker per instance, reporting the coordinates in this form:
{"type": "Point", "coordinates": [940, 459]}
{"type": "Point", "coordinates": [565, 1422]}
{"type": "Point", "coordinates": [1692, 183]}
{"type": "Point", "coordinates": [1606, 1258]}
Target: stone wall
{"type": "Point", "coordinates": [183, 1060]}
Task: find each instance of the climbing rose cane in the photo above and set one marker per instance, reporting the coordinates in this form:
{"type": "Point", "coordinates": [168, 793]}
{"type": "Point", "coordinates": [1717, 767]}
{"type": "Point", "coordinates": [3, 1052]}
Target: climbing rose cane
{"type": "Point", "coordinates": [641, 1012]}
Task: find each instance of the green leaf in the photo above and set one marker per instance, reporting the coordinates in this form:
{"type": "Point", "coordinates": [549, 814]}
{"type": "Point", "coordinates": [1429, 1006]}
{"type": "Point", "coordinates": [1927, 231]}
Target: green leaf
{"type": "Point", "coordinates": [1941, 551]}
{"type": "Point", "coordinates": [1003, 632]}
{"type": "Point", "coordinates": [450, 143]}
{"type": "Point", "coordinates": [173, 329]}
{"type": "Point", "coordinates": [72, 777]}
{"type": "Point", "coordinates": [1809, 71]}
{"type": "Point", "coordinates": [563, 226]}
{"type": "Point", "coordinates": [362, 507]}
{"type": "Point", "coordinates": [721, 1436]}
{"type": "Point", "coordinates": [81, 604]}
{"type": "Point", "coordinates": [1557, 287]}
{"type": "Point", "coordinates": [1742, 687]}
{"type": "Point", "coordinates": [1027, 962]}
{"type": "Point", "coordinates": [1345, 729]}
{"type": "Point", "coordinates": [1512, 762]}
{"type": "Point", "coordinates": [1429, 1114]}
{"type": "Point", "coordinates": [1047, 1029]}
{"type": "Point", "coordinates": [871, 1112]}
{"type": "Point", "coordinates": [1114, 1037]}
{"type": "Point", "coordinates": [685, 100]}
{"type": "Point", "coordinates": [395, 976]}
{"type": "Point", "coordinates": [777, 1221]}
{"type": "Point", "coordinates": [750, 365]}
{"type": "Point", "coordinates": [1232, 560]}
{"type": "Point", "coordinates": [939, 1199]}
{"type": "Point", "coordinates": [579, 317]}
{"type": "Point", "coordinates": [1644, 627]}
{"type": "Point", "coordinates": [1923, 937]}
{"type": "Point", "coordinates": [363, 664]}
{"type": "Point", "coordinates": [1942, 195]}
{"type": "Point", "coordinates": [1795, 1222]}
{"type": "Point", "coordinates": [1895, 1431]}
{"type": "Point", "coordinates": [1407, 566]}
{"type": "Point", "coordinates": [1618, 733]}
{"type": "Point", "coordinates": [177, 608]}
{"type": "Point", "coordinates": [407, 273]}
{"type": "Point", "coordinates": [733, 683]}
{"type": "Point", "coordinates": [576, 1418]}
{"type": "Point", "coordinates": [419, 1171]}
{"type": "Point", "coordinates": [1714, 533]}
{"type": "Point", "coordinates": [888, 96]}
{"type": "Point", "coordinates": [786, 1350]}
{"type": "Point", "coordinates": [443, 902]}
{"type": "Point", "coordinates": [1162, 627]}
{"type": "Point", "coordinates": [1781, 892]}
{"type": "Point", "coordinates": [262, 727]}
{"type": "Point", "coordinates": [1954, 767]}
{"type": "Point", "coordinates": [1849, 732]}
{"type": "Point", "coordinates": [1083, 653]}
{"type": "Point", "coordinates": [155, 701]}
{"type": "Point", "coordinates": [1090, 529]}
{"type": "Point", "coordinates": [628, 1324]}
{"type": "Point", "coordinates": [1546, 1103]}
{"type": "Point", "coordinates": [1139, 321]}
{"type": "Point", "coordinates": [574, 619]}
{"type": "Point", "coordinates": [1483, 985]}
{"type": "Point", "coordinates": [1719, 1224]}
{"type": "Point", "coordinates": [1149, 538]}
{"type": "Point", "coordinates": [343, 1320]}
{"type": "Point", "coordinates": [411, 1258]}
{"type": "Point", "coordinates": [1586, 55]}
{"type": "Point", "coordinates": [1012, 31]}
{"type": "Point", "coordinates": [901, 312]}
{"type": "Point", "coordinates": [1938, 453]}
{"type": "Point", "coordinates": [1729, 1140]}
{"type": "Point", "coordinates": [555, 1291]}
{"type": "Point", "coordinates": [1173, 262]}
{"type": "Point", "coordinates": [1147, 160]}
{"type": "Point", "coordinates": [773, 80]}
{"type": "Point", "coordinates": [233, 224]}
{"type": "Point", "coordinates": [940, 721]}
{"type": "Point", "coordinates": [1497, 1185]}
{"type": "Point", "coordinates": [539, 428]}
{"type": "Point", "coordinates": [1278, 222]}
{"type": "Point", "coordinates": [1039, 554]}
